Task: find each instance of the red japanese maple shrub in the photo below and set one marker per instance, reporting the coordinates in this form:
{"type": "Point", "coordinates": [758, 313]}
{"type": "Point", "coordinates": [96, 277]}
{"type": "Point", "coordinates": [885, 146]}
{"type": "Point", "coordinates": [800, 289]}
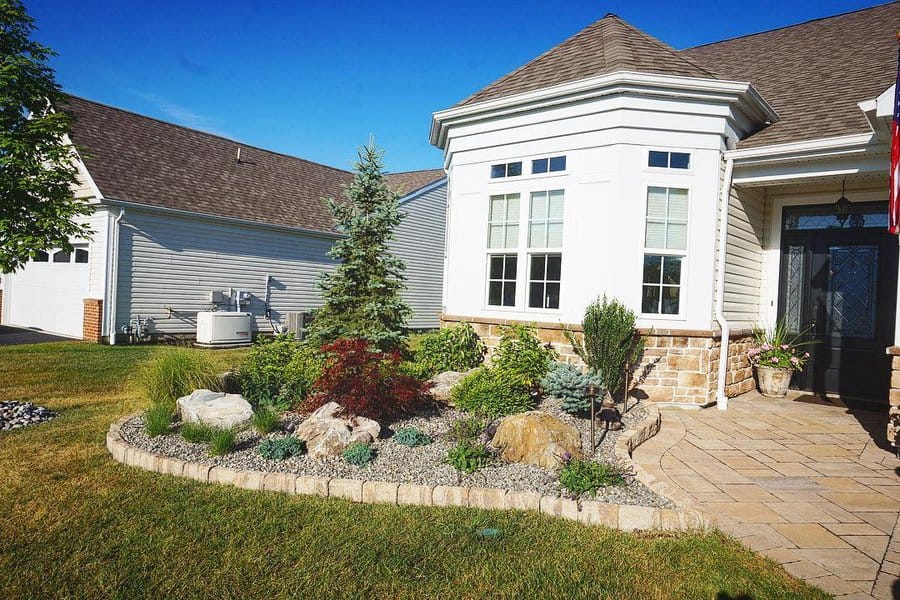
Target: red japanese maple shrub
{"type": "Point", "coordinates": [366, 382]}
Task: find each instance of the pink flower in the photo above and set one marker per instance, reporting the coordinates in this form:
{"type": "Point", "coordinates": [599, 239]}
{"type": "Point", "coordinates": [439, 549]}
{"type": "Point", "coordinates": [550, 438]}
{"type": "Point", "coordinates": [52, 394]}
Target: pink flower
{"type": "Point", "coordinates": [795, 361]}
{"type": "Point", "coordinates": [784, 346]}
{"type": "Point", "coordinates": [806, 355]}
{"type": "Point", "coordinates": [774, 360]}
{"type": "Point", "coordinates": [766, 346]}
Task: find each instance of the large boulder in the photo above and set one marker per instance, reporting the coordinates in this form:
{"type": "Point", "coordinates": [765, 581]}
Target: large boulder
{"type": "Point", "coordinates": [217, 409]}
{"type": "Point", "coordinates": [536, 438]}
{"type": "Point", "coordinates": [329, 430]}
{"type": "Point", "coordinates": [443, 383]}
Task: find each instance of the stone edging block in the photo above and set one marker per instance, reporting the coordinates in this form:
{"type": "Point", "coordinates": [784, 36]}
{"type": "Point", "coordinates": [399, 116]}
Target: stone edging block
{"type": "Point", "coordinates": [588, 512]}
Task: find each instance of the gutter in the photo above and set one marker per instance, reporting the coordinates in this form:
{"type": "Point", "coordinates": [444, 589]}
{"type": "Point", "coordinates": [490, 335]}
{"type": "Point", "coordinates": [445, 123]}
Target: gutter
{"type": "Point", "coordinates": [112, 255]}
{"type": "Point", "coordinates": [725, 195]}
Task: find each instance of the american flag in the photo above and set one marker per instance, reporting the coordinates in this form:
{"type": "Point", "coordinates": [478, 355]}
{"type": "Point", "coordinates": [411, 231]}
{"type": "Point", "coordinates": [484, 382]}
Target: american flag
{"type": "Point", "coordinates": [894, 205]}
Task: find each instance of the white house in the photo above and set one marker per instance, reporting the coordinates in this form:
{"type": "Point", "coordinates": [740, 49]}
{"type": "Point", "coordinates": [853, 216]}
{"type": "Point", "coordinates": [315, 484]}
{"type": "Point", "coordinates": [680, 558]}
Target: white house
{"type": "Point", "coordinates": [699, 187]}
{"type": "Point", "coordinates": [183, 218]}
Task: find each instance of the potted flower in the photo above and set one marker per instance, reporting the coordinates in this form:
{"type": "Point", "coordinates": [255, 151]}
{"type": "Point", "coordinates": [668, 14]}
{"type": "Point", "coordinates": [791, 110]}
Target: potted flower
{"type": "Point", "coordinates": [775, 356]}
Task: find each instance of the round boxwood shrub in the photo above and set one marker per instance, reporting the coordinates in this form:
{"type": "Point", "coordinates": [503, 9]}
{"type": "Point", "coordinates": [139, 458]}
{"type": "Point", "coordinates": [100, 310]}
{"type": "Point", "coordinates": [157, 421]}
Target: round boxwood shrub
{"type": "Point", "coordinates": [492, 392]}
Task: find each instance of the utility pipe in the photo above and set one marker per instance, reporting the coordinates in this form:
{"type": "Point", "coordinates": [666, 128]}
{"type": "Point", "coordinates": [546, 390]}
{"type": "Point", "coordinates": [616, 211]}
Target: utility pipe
{"type": "Point", "coordinates": [113, 285]}
{"type": "Point", "coordinates": [721, 398]}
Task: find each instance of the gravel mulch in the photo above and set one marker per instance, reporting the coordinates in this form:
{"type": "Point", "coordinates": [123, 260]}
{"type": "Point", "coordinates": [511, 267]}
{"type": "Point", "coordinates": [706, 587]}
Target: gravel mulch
{"type": "Point", "coordinates": [422, 465]}
{"type": "Point", "coordinates": [15, 415]}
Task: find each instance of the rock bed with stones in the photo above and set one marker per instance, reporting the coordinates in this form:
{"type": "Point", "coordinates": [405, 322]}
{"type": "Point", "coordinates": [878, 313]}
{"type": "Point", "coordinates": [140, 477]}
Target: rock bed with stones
{"type": "Point", "coordinates": [420, 465]}
{"type": "Point", "coordinates": [15, 415]}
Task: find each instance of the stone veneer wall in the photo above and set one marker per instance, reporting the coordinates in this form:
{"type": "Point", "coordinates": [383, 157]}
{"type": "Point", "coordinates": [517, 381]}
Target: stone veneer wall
{"type": "Point", "coordinates": [678, 366]}
{"type": "Point", "coordinates": [893, 427]}
{"type": "Point", "coordinates": [92, 324]}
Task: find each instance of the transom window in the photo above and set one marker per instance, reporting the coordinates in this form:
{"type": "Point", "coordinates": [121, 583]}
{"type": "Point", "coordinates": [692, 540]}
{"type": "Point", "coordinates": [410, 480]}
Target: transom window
{"type": "Point", "coordinates": [545, 222]}
{"type": "Point", "coordinates": [81, 255]}
{"type": "Point", "coordinates": [543, 280]}
{"type": "Point", "coordinates": [41, 256]}
{"type": "Point", "coordinates": [503, 222]}
{"type": "Point", "coordinates": [548, 165]}
{"type": "Point", "coordinates": [669, 160]}
{"type": "Point", "coordinates": [502, 270]}
{"type": "Point", "coordinates": [513, 169]}
{"type": "Point", "coordinates": [61, 256]}
{"type": "Point", "coordinates": [665, 247]}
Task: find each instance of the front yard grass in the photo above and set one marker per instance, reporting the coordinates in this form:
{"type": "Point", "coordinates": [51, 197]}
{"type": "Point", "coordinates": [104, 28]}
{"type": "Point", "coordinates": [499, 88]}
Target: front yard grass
{"type": "Point", "coordinates": [75, 524]}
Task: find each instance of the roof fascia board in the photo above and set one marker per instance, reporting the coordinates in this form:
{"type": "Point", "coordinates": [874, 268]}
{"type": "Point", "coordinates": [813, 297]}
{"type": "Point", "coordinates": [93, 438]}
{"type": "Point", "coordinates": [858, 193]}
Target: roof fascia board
{"type": "Point", "coordinates": [230, 220]}
{"type": "Point", "coordinates": [741, 93]}
{"type": "Point", "coordinates": [422, 190]}
{"type": "Point", "coordinates": [82, 169]}
{"type": "Point", "coordinates": [805, 150]}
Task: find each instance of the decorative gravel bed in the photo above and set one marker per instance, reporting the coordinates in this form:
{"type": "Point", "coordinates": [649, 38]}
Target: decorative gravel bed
{"type": "Point", "coordinates": [422, 465]}
{"type": "Point", "coordinates": [15, 415]}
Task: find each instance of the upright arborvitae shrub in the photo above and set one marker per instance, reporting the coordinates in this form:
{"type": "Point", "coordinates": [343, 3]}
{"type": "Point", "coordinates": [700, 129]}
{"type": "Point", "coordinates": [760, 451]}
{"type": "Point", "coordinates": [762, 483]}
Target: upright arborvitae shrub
{"type": "Point", "coordinates": [610, 341]}
{"type": "Point", "coordinates": [362, 294]}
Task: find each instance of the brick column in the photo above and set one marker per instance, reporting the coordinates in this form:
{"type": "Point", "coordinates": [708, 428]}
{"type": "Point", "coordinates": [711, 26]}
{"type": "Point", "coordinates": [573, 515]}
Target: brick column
{"type": "Point", "coordinates": [92, 325]}
{"type": "Point", "coordinates": [893, 428]}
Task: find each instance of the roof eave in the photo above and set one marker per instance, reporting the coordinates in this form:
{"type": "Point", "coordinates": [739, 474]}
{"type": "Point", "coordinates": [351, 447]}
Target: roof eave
{"type": "Point", "coordinates": [743, 94]}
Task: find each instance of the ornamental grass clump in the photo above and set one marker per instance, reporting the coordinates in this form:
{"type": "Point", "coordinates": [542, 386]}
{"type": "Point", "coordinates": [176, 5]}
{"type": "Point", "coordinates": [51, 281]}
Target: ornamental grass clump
{"type": "Point", "coordinates": [222, 441]}
{"type": "Point", "coordinates": [176, 373]}
{"type": "Point", "coordinates": [587, 476]}
{"type": "Point", "coordinates": [567, 382]}
{"type": "Point", "coordinates": [157, 420]}
{"type": "Point", "coordinates": [197, 433]}
{"type": "Point", "coordinates": [778, 348]}
{"type": "Point", "coordinates": [265, 420]}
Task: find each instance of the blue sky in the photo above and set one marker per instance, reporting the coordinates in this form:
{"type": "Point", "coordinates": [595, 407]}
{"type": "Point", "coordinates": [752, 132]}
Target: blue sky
{"type": "Point", "coordinates": [315, 78]}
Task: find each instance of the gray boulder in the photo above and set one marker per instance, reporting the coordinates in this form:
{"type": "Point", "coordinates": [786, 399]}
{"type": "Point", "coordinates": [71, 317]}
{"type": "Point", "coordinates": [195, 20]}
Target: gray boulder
{"type": "Point", "coordinates": [443, 383]}
{"type": "Point", "coordinates": [329, 430]}
{"type": "Point", "coordinates": [216, 409]}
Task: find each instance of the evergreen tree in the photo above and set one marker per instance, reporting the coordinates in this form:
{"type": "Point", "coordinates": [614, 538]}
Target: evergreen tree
{"type": "Point", "coordinates": [362, 295]}
{"type": "Point", "coordinates": [37, 207]}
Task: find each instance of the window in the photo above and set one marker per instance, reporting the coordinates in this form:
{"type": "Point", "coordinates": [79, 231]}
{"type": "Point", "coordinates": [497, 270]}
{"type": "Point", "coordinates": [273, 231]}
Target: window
{"type": "Point", "coordinates": [502, 279]}
{"type": "Point", "coordinates": [669, 160]}
{"type": "Point", "coordinates": [543, 280]}
{"type": "Point", "coordinates": [552, 164]}
{"type": "Point", "coordinates": [81, 255]}
{"type": "Point", "coordinates": [513, 169]}
{"type": "Point", "coordinates": [41, 256]}
{"type": "Point", "coordinates": [503, 221]}
{"type": "Point", "coordinates": [665, 245]}
{"type": "Point", "coordinates": [60, 256]}
{"type": "Point", "coordinates": [545, 222]}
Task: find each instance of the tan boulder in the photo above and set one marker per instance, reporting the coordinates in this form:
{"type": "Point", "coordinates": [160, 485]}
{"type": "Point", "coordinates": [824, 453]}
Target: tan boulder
{"type": "Point", "coordinates": [328, 431]}
{"type": "Point", "coordinates": [443, 383]}
{"type": "Point", "coordinates": [536, 438]}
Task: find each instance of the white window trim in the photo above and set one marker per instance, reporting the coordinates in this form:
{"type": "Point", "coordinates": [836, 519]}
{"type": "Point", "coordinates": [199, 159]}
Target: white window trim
{"type": "Point", "coordinates": [684, 254]}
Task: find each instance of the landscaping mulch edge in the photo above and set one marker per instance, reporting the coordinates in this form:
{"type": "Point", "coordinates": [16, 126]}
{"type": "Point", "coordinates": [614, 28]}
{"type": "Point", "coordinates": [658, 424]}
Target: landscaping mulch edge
{"type": "Point", "coordinates": [590, 512]}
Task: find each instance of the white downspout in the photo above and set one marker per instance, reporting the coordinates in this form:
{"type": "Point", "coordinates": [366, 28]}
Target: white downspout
{"type": "Point", "coordinates": [113, 270]}
{"type": "Point", "coordinates": [721, 398]}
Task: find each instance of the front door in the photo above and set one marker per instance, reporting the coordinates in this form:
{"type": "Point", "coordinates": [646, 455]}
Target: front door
{"type": "Point", "coordinates": [839, 287]}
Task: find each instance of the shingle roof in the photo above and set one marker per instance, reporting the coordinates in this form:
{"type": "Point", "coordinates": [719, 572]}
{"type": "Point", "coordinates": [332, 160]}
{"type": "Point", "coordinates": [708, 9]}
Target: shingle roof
{"type": "Point", "coordinates": [139, 159]}
{"type": "Point", "coordinates": [813, 74]}
{"type": "Point", "coordinates": [606, 46]}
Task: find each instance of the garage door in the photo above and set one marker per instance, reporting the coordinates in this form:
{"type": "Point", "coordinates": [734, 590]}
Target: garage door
{"type": "Point", "coordinates": [48, 294]}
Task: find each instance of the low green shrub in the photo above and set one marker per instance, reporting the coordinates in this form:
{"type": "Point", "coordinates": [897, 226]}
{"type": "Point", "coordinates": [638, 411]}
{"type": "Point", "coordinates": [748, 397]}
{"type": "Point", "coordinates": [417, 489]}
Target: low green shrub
{"type": "Point", "coordinates": [466, 430]}
{"type": "Point", "coordinates": [197, 433]}
{"type": "Point", "coordinates": [222, 441]}
{"type": "Point", "coordinates": [281, 448]}
{"type": "Point", "coordinates": [358, 453]}
{"type": "Point", "coordinates": [157, 420]}
{"type": "Point", "coordinates": [265, 420]}
{"type": "Point", "coordinates": [453, 348]}
{"type": "Point", "coordinates": [175, 373]}
{"type": "Point", "coordinates": [492, 392]}
{"type": "Point", "coordinates": [411, 368]}
{"type": "Point", "coordinates": [468, 457]}
{"type": "Point", "coordinates": [279, 372]}
{"type": "Point", "coordinates": [521, 353]}
{"type": "Point", "coordinates": [412, 437]}
{"type": "Point", "coordinates": [587, 476]}
{"type": "Point", "coordinates": [567, 382]}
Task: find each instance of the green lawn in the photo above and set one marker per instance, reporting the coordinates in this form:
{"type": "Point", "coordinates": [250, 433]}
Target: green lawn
{"type": "Point", "coordinates": [75, 524]}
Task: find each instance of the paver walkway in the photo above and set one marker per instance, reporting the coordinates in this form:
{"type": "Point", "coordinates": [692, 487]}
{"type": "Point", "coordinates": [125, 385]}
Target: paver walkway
{"type": "Point", "coordinates": [799, 481]}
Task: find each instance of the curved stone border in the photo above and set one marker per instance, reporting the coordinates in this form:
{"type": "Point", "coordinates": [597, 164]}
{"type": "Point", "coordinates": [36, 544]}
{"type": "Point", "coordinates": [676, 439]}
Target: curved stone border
{"type": "Point", "coordinates": [618, 516]}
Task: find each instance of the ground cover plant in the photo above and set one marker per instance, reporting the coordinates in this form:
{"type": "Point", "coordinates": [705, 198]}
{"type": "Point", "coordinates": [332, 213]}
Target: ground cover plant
{"type": "Point", "coordinates": [281, 448]}
{"type": "Point", "coordinates": [412, 437]}
{"type": "Point", "coordinates": [77, 524]}
{"type": "Point", "coordinates": [587, 476]}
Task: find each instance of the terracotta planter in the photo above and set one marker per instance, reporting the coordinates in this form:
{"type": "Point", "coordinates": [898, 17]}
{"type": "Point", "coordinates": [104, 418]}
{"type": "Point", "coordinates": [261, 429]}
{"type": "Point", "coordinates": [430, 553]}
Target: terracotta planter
{"type": "Point", "coordinates": [773, 382]}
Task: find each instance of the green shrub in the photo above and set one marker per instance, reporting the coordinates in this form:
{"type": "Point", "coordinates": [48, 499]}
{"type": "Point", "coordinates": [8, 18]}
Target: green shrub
{"type": "Point", "coordinates": [157, 420]}
{"type": "Point", "coordinates": [468, 457]}
{"type": "Point", "coordinates": [587, 476]}
{"type": "Point", "coordinates": [197, 433]}
{"type": "Point", "coordinates": [567, 382]}
{"type": "Point", "coordinates": [279, 372]}
{"type": "Point", "coordinates": [281, 448]}
{"type": "Point", "coordinates": [466, 430]}
{"type": "Point", "coordinates": [520, 352]}
{"type": "Point", "coordinates": [411, 368]}
{"type": "Point", "coordinates": [358, 453]}
{"type": "Point", "coordinates": [492, 393]}
{"type": "Point", "coordinates": [265, 420]}
{"type": "Point", "coordinates": [412, 437]}
{"type": "Point", "coordinates": [223, 441]}
{"type": "Point", "coordinates": [453, 348]}
{"type": "Point", "coordinates": [176, 373]}
{"type": "Point", "coordinates": [610, 341]}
